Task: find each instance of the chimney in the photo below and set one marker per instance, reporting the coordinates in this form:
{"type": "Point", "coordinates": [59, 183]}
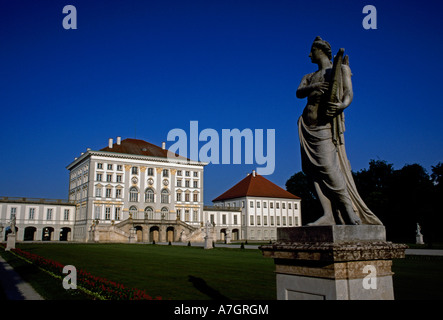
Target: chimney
{"type": "Point", "coordinates": [163, 145]}
{"type": "Point", "coordinates": [119, 140]}
{"type": "Point", "coordinates": [253, 173]}
{"type": "Point", "coordinates": [110, 143]}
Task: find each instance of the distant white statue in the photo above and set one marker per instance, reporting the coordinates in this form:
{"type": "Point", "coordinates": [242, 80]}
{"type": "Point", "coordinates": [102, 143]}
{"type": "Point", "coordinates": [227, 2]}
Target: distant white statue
{"type": "Point", "coordinates": [12, 224]}
{"type": "Point", "coordinates": [419, 236]}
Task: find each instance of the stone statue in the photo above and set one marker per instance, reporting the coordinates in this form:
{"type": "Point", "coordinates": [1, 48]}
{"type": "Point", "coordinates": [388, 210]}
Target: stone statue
{"type": "Point", "coordinates": [12, 224]}
{"type": "Point", "coordinates": [418, 235]}
{"type": "Point", "coordinates": [418, 229]}
{"type": "Point", "coordinates": [321, 127]}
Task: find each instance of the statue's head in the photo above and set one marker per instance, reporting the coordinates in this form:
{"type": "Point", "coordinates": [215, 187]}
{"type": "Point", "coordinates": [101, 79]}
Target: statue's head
{"type": "Point", "coordinates": [320, 46]}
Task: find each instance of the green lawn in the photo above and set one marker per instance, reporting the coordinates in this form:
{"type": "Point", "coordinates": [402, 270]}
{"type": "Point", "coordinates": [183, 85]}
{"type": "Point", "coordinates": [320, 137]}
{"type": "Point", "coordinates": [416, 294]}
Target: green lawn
{"type": "Point", "coordinates": [418, 278]}
{"type": "Point", "coordinates": [172, 272]}
{"type": "Point", "coordinates": [192, 273]}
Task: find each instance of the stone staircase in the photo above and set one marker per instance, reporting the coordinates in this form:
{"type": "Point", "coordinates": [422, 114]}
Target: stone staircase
{"type": "Point", "coordinates": [124, 231]}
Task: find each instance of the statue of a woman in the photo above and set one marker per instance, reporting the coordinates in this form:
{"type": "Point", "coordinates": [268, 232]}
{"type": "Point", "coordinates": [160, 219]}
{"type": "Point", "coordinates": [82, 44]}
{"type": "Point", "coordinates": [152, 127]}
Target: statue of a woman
{"type": "Point", "coordinates": [321, 127]}
{"type": "Point", "coordinates": [13, 223]}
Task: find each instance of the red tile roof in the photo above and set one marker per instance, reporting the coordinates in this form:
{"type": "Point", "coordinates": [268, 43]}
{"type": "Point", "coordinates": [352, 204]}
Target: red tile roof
{"type": "Point", "coordinates": [138, 147]}
{"type": "Point", "coordinates": [255, 186]}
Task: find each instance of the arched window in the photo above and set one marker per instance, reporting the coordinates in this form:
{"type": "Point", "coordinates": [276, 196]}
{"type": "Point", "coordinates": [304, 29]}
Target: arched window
{"type": "Point", "coordinates": [164, 212]}
{"type": "Point", "coordinates": [149, 213]}
{"type": "Point", "coordinates": [133, 194]}
{"type": "Point", "coordinates": [133, 212]}
{"type": "Point", "coordinates": [149, 195]}
{"type": "Point", "coordinates": [165, 196]}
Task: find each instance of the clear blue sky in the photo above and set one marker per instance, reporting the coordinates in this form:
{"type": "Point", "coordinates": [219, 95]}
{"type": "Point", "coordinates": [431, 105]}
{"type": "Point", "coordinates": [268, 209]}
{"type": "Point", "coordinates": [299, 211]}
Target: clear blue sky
{"type": "Point", "coordinates": [141, 68]}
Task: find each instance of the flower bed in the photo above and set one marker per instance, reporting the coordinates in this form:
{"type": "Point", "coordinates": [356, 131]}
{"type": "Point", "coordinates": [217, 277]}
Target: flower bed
{"type": "Point", "coordinates": [100, 288]}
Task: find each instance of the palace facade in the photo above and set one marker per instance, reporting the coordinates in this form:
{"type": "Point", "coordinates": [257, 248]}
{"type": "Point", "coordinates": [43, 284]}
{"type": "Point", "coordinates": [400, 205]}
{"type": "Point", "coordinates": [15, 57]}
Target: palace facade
{"type": "Point", "coordinates": [134, 191]}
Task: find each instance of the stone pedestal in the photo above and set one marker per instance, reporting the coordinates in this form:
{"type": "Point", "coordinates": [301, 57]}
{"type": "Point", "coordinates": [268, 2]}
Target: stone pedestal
{"type": "Point", "coordinates": [333, 263]}
{"type": "Point", "coordinates": [208, 243]}
{"type": "Point", "coordinates": [419, 239]}
{"type": "Point", "coordinates": [132, 235]}
{"type": "Point", "coordinates": [10, 244]}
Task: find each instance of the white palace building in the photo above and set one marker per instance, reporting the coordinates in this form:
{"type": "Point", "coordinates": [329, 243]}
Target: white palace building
{"type": "Point", "coordinates": [130, 191]}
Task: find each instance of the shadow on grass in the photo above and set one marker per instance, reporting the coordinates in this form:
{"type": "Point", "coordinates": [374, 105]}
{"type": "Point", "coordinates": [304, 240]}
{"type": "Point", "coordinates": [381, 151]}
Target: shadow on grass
{"type": "Point", "coordinates": [203, 287]}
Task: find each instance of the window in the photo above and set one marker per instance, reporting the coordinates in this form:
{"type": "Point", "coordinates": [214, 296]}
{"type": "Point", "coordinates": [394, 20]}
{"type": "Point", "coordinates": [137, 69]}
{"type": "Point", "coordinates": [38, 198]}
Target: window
{"type": "Point", "coordinates": [295, 206]}
{"type": "Point", "coordinates": [272, 220]}
{"type": "Point", "coordinates": [195, 184]}
{"type": "Point", "coordinates": [283, 205]}
{"type": "Point", "coordinates": [98, 177]}
{"type": "Point", "coordinates": [108, 192]}
{"type": "Point", "coordinates": [118, 193]}
{"type": "Point", "coordinates": [289, 206]}
{"type": "Point", "coordinates": [251, 204]}
{"type": "Point", "coordinates": [109, 166]}
{"type": "Point", "coordinates": [271, 205]}
{"type": "Point", "coordinates": [278, 221]}
{"type": "Point", "coordinates": [133, 194]}
{"type": "Point", "coordinates": [150, 171]}
{"type": "Point", "coordinates": [251, 220]}
{"type": "Point", "coordinates": [195, 215]}
{"type": "Point", "coordinates": [119, 167]}
{"type": "Point", "coordinates": [134, 170]}
{"type": "Point", "coordinates": [258, 221]}
{"type": "Point", "coordinates": [277, 205]}
{"type": "Point", "coordinates": [109, 177]}
{"type": "Point", "coordinates": [165, 196]}
{"type": "Point", "coordinates": [66, 215]}
{"type": "Point", "coordinates": [149, 213]}
{"type": "Point", "coordinates": [164, 212]}
{"type": "Point", "coordinates": [97, 212]}
{"type": "Point", "coordinates": [165, 173]}
{"type": "Point", "coordinates": [31, 213]}
{"type": "Point", "coordinates": [187, 183]}
{"type": "Point", "coordinates": [187, 173]}
{"type": "Point", "coordinates": [284, 220]}
{"type": "Point", "coordinates": [265, 220]}
{"type": "Point", "coordinates": [99, 165]}
{"type": "Point", "coordinates": [187, 197]}
{"type": "Point", "coordinates": [179, 183]}
{"type": "Point", "coordinates": [235, 219]}
{"type": "Point", "coordinates": [290, 221]}
{"type": "Point", "coordinates": [196, 174]}
{"type": "Point", "coordinates": [179, 173]}
{"type": "Point", "coordinates": [118, 178]}
{"type": "Point", "coordinates": [258, 204]}
{"type": "Point", "coordinates": [212, 219]}
{"type": "Point", "coordinates": [133, 212]}
{"type": "Point", "coordinates": [179, 196]}
{"type": "Point", "coordinates": [49, 214]}
{"type": "Point", "coordinates": [117, 211]}
{"type": "Point", "coordinates": [265, 205]}
{"type": "Point", "coordinates": [224, 219]}
{"type": "Point", "coordinates": [149, 195]}
{"type": "Point", "coordinates": [107, 213]}
{"type": "Point", "coordinates": [195, 195]}
{"type": "Point", "coordinates": [187, 217]}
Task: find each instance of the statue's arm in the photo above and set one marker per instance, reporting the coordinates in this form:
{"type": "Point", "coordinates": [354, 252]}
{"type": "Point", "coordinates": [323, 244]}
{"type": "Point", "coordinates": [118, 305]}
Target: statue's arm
{"type": "Point", "coordinates": [348, 94]}
{"type": "Point", "coordinates": [306, 88]}
{"type": "Point", "coordinates": [335, 108]}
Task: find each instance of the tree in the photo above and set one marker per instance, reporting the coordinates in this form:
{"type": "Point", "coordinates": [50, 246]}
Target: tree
{"type": "Point", "coordinates": [399, 198]}
{"type": "Point", "coordinates": [437, 176]}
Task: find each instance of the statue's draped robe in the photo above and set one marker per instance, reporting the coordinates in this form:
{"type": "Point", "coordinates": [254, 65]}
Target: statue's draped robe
{"type": "Point", "coordinates": [324, 159]}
